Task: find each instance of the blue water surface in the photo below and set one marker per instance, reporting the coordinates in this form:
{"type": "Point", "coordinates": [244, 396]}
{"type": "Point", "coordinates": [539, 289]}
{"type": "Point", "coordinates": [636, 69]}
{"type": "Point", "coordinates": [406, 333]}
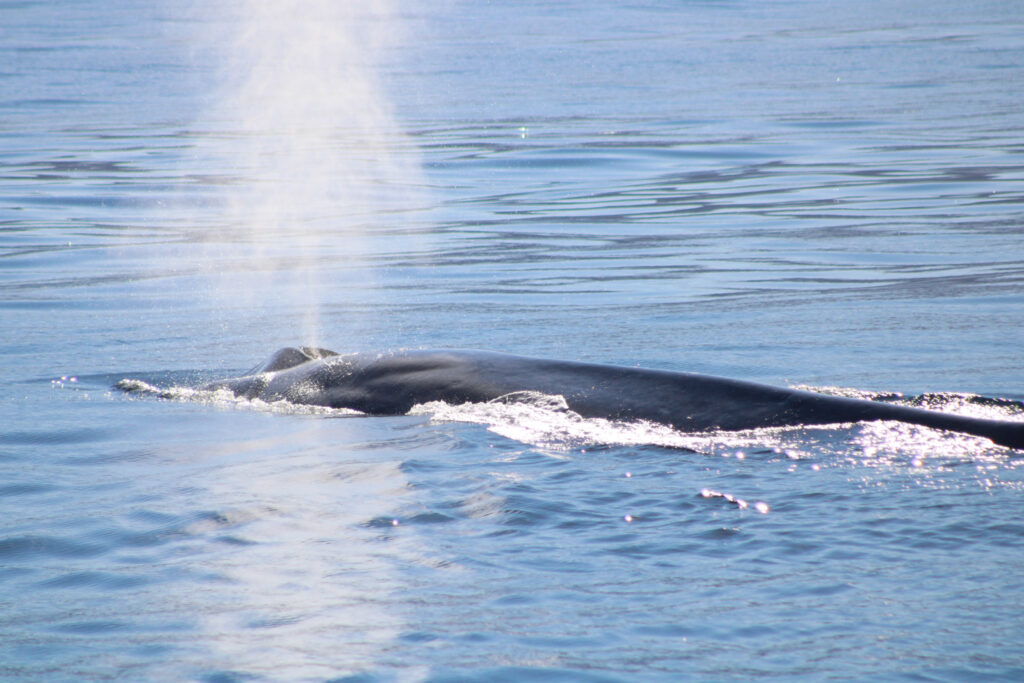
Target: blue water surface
{"type": "Point", "coordinates": [800, 193]}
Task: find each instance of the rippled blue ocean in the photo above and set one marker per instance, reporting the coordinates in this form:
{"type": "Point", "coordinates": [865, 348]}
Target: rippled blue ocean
{"type": "Point", "coordinates": [824, 194]}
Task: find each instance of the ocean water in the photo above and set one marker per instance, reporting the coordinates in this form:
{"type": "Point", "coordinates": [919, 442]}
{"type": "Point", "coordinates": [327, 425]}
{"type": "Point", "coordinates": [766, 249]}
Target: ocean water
{"type": "Point", "coordinates": [802, 193]}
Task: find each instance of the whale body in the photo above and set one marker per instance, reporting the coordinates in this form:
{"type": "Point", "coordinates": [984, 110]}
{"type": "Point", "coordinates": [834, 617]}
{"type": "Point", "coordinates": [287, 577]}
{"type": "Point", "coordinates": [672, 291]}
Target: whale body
{"type": "Point", "coordinates": [392, 383]}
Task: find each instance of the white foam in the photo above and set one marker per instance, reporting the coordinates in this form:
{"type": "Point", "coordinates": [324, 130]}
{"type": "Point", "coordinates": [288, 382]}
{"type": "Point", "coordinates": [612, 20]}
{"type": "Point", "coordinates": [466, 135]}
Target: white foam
{"type": "Point", "coordinates": [546, 420]}
{"type": "Point", "coordinates": [224, 398]}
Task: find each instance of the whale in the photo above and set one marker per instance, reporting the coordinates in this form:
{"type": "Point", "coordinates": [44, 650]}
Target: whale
{"type": "Point", "coordinates": [392, 383]}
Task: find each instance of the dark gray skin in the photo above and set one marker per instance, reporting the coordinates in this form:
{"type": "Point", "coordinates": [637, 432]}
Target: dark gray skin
{"type": "Point", "coordinates": [391, 384]}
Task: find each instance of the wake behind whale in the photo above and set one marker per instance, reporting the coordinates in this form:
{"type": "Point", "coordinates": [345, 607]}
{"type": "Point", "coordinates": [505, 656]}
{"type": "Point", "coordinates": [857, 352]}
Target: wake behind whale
{"type": "Point", "coordinates": [392, 383]}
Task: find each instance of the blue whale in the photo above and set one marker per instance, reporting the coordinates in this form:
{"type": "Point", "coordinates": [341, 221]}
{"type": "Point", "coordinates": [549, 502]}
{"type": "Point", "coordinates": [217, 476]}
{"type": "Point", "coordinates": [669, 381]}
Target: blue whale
{"type": "Point", "coordinates": [392, 383]}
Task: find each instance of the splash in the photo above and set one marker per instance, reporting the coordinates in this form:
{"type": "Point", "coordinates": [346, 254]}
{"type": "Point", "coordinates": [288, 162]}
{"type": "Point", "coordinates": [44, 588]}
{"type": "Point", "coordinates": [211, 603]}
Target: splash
{"type": "Point", "coordinates": [223, 398]}
{"type": "Point", "coordinates": [309, 156]}
{"type": "Point", "coordinates": [547, 421]}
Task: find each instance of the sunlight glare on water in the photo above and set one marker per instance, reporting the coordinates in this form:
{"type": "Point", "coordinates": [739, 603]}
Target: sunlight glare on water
{"type": "Point", "coordinates": [319, 570]}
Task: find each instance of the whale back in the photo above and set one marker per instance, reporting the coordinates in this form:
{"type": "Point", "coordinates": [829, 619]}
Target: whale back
{"type": "Point", "coordinates": [392, 383]}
